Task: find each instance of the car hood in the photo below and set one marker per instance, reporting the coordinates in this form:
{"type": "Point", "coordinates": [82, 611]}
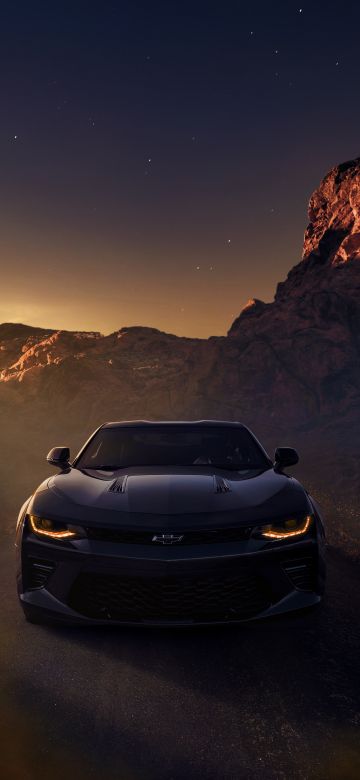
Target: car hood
{"type": "Point", "coordinates": [141, 495]}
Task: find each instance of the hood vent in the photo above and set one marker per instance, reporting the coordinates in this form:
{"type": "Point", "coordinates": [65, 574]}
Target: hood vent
{"type": "Point", "coordinates": [221, 485]}
{"type": "Point", "coordinates": [119, 485]}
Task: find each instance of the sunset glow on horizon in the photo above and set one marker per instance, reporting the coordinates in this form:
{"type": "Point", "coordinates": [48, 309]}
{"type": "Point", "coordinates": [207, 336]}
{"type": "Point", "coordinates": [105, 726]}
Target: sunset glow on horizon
{"type": "Point", "coordinates": [157, 175]}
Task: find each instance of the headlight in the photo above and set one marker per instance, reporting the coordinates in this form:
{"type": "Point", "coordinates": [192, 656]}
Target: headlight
{"type": "Point", "coordinates": [283, 529]}
{"type": "Point", "coordinates": [42, 526]}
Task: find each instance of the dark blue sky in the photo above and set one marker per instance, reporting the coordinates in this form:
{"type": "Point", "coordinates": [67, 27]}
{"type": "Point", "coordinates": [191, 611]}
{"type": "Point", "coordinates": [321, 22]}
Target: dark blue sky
{"type": "Point", "coordinates": [157, 158]}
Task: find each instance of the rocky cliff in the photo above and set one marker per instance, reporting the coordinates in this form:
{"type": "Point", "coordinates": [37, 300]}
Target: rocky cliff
{"type": "Point", "coordinates": [290, 368]}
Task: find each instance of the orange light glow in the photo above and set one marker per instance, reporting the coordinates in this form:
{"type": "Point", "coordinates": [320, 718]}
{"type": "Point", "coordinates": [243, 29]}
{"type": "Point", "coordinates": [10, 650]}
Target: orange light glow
{"type": "Point", "coordinates": [65, 534]}
{"type": "Point", "coordinates": [272, 534]}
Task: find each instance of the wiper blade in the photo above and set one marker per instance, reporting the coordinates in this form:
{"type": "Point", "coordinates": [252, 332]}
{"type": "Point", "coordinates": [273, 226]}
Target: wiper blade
{"type": "Point", "coordinates": [222, 466]}
{"type": "Point", "coordinates": [239, 467]}
{"type": "Point", "coordinates": [104, 467]}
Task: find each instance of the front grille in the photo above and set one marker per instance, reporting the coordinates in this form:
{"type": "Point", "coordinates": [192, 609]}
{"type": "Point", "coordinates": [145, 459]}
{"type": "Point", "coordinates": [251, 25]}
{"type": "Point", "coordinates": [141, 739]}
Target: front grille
{"type": "Point", "coordinates": [301, 572]}
{"type": "Point", "coordinates": [39, 573]}
{"type": "Point", "coordinates": [188, 537]}
{"type": "Point", "coordinates": [168, 598]}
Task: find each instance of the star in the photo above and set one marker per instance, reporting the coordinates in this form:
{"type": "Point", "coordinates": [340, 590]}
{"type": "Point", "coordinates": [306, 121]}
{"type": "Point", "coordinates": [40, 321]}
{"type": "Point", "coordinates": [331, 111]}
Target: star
{"type": "Point", "coordinates": [300, 10]}
{"type": "Point", "coordinates": [198, 268]}
{"type": "Point", "coordinates": [228, 241]}
{"type": "Point", "coordinates": [15, 137]}
{"type": "Point", "coordinates": [337, 62]}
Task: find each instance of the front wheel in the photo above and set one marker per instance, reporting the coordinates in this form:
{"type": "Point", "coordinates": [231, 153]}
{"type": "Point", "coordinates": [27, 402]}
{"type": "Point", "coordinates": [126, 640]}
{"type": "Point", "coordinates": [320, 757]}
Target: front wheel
{"type": "Point", "coordinates": [33, 616]}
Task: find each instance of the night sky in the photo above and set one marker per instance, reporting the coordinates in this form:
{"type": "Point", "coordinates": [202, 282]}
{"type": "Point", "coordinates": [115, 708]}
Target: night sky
{"type": "Point", "coordinates": [157, 158]}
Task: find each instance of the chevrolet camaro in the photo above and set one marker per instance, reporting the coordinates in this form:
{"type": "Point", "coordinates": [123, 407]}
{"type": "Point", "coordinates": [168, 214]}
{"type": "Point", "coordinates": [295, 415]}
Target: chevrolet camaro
{"type": "Point", "coordinates": [169, 523]}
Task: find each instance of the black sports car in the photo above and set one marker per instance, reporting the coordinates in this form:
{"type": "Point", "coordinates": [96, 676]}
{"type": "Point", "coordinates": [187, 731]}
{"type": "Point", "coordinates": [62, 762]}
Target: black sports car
{"type": "Point", "coordinates": [170, 523]}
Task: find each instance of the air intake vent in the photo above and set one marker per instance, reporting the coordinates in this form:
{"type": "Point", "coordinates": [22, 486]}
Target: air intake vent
{"type": "Point", "coordinates": [190, 598]}
{"type": "Point", "coordinates": [301, 573]}
{"type": "Point", "coordinates": [39, 573]}
{"type": "Point", "coordinates": [221, 485]}
{"type": "Point", "coordinates": [119, 486]}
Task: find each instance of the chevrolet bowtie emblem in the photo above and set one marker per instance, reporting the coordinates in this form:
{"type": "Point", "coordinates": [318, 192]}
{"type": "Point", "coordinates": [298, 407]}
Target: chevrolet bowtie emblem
{"type": "Point", "coordinates": [167, 538]}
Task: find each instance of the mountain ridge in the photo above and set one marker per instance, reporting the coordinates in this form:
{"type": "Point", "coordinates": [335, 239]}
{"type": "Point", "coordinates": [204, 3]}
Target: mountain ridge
{"type": "Point", "coordinates": [331, 250]}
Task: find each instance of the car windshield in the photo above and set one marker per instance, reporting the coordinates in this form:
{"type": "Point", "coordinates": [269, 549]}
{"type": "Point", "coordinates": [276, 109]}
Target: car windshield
{"type": "Point", "coordinates": [223, 447]}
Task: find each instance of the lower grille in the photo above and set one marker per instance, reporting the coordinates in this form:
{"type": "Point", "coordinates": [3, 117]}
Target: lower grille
{"type": "Point", "coordinates": [192, 598]}
{"type": "Point", "coordinates": [39, 573]}
{"type": "Point", "coordinates": [301, 572]}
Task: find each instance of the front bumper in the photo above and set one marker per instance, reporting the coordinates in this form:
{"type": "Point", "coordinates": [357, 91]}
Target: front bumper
{"type": "Point", "coordinates": [101, 583]}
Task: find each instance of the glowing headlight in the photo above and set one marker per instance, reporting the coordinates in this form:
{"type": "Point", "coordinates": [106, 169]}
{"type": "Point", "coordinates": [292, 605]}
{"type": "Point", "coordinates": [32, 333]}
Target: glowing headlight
{"type": "Point", "coordinates": [283, 529]}
{"type": "Point", "coordinates": [42, 526]}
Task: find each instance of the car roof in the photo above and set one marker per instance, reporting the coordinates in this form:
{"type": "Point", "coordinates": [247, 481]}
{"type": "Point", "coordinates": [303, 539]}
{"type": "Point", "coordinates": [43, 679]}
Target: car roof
{"type": "Point", "coordinates": [180, 423]}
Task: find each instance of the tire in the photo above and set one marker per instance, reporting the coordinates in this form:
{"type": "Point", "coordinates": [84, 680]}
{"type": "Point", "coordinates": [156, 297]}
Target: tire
{"type": "Point", "coordinates": [32, 616]}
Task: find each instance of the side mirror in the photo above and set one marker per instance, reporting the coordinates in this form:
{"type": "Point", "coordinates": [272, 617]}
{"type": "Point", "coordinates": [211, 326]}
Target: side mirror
{"type": "Point", "coordinates": [59, 456]}
{"type": "Point", "coordinates": [285, 456]}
